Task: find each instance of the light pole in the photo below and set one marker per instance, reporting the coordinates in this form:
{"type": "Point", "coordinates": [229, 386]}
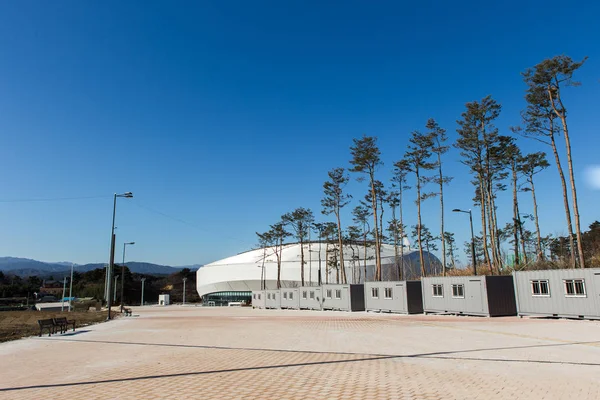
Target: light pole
{"type": "Point", "coordinates": [123, 272]}
{"type": "Point", "coordinates": [473, 255]}
{"type": "Point", "coordinates": [143, 280]}
{"type": "Point", "coordinates": [62, 301]}
{"type": "Point", "coordinates": [184, 279]}
{"type": "Point", "coordinates": [71, 287]}
{"type": "Point", "coordinates": [111, 265]}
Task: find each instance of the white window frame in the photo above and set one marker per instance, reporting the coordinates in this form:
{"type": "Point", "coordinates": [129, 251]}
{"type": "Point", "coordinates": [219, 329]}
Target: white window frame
{"type": "Point", "coordinates": [437, 285]}
{"type": "Point", "coordinates": [338, 293]}
{"type": "Point", "coordinates": [259, 296]}
{"type": "Point", "coordinates": [538, 282]}
{"type": "Point", "coordinates": [458, 285]}
{"type": "Point", "coordinates": [573, 282]}
{"type": "Point", "coordinates": [285, 295]}
{"type": "Point", "coordinates": [385, 293]}
{"type": "Point", "coordinates": [375, 293]}
{"type": "Point", "coordinates": [305, 294]}
{"type": "Point", "coordinates": [328, 293]}
{"type": "Point", "coordinates": [312, 294]}
{"type": "Point", "coordinates": [268, 296]}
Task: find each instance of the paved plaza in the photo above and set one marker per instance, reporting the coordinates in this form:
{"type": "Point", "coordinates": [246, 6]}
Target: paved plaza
{"type": "Point", "coordinates": [191, 352]}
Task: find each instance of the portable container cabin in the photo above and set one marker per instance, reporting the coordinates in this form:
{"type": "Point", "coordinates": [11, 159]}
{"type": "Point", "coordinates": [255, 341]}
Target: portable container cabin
{"type": "Point", "coordinates": [490, 296]}
{"type": "Point", "coordinates": [405, 297]}
{"type": "Point", "coordinates": [164, 299]}
{"type": "Point", "coordinates": [290, 298]}
{"type": "Point", "coordinates": [569, 293]}
{"type": "Point", "coordinates": [273, 299]}
{"type": "Point", "coordinates": [259, 299]}
{"type": "Point", "coordinates": [310, 297]}
{"type": "Point", "coordinates": [344, 297]}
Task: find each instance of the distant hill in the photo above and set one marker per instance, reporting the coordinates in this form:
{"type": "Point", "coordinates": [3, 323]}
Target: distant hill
{"type": "Point", "coordinates": [27, 267]}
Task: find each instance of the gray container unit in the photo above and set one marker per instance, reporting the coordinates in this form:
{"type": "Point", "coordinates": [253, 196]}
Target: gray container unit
{"type": "Point", "coordinates": [404, 297]}
{"type": "Point", "coordinates": [273, 299]}
{"type": "Point", "coordinates": [311, 297]}
{"type": "Point", "coordinates": [489, 296]}
{"type": "Point", "coordinates": [344, 297]}
{"type": "Point", "coordinates": [259, 299]}
{"type": "Point", "coordinates": [290, 298]}
{"type": "Point", "coordinates": [569, 293]}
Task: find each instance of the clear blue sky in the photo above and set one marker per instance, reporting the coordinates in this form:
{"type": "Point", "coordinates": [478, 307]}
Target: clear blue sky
{"type": "Point", "coordinates": [227, 114]}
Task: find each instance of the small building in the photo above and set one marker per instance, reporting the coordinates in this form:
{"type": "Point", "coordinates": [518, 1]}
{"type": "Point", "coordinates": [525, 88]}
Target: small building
{"type": "Point", "coordinates": [259, 299]}
{"type": "Point", "coordinates": [404, 297]}
{"type": "Point", "coordinates": [344, 297]}
{"type": "Point", "coordinates": [311, 297]}
{"type": "Point", "coordinates": [489, 296]}
{"type": "Point", "coordinates": [164, 299]}
{"type": "Point", "coordinates": [290, 298]}
{"type": "Point", "coordinates": [569, 293]}
{"type": "Point", "coordinates": [273, 299]}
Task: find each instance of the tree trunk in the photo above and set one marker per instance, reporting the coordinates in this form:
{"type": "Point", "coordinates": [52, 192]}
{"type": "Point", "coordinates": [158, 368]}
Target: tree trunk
{"type": "Point", "coordinates": [565, 198]}
{"type": "Point", "coordinates": [402, 273]}
{"type": "Point", "coordinates": [341, 244]}
{"type": "Point", "coordinates": [279, 264]}
{"type": "Point", "coordinates": [377, 248]}
{"type": "Point", "coordinates": [483, 202]}
{"type": "Point", "coordinates": [515, 213]}
{"type": "Point", "coordinates": [421, 258]}
{"type": "Point", "coordinates": [441, 177]}
{"type": "Point", "coordinates": [365, 260]}
{"type": "Point", "coordinates": [563, 119]}
{"type": "Point", "coordinates": [302, 261]}
{"type": "Point", "coordinates": [540, 253]}
{"type": "Point", "coordinates": [327, 261]}
{"type": "Point", "coordinates": [395, 241]}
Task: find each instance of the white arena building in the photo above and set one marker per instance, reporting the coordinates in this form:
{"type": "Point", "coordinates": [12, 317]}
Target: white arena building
{"type": "Point", "coordinates": [234, 278]}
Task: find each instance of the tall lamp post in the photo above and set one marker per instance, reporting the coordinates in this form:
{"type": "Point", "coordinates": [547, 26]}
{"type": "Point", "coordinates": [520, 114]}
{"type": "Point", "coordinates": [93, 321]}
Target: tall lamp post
{"type": "Point", "coordinates": [473, 255]}
{"type": "Point", "coordinates": [184, 279]}
{"type": "Point", "coordinates": [123, 272]}
{"type": "Point", "coordinates": [111, 265]}
{"type": "Point", "coordinates": [71, 287]}
{"type": "Point", "coordinates": [143, 280]}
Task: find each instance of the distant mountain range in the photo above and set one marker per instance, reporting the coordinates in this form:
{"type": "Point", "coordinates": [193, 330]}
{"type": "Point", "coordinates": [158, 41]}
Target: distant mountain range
{"type": "Point", "coordinates": [28, 267]}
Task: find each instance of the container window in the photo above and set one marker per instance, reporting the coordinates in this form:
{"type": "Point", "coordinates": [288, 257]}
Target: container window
{"type": "Point", "coordinates": [338, 293]}
{"type": "Point", "coordinates": [458, 291]}
{"type": "Point", "coordinates": [269, 296]}
{"type": "Point", "coordinates": [540, 287]}
{"type": "Point", "coordinates": [328, 294]}
{"type": "Point", "coordinates": [304, 294]}
{"type": "Point", "coordinates": [285, 295]}
{"type": "Point", "coordinates": [291, 295]}
{"type": "Point", "coordinates": [312, 294]}
{"type": "Point", "coordinates": [438, 290]}
{"type": "Point", "coordinates": [375, 293]}
{"type": "Point", "coordinates": [259, 296]}
{"type": "Point", "coordinates": [575, 288]}
{"type": "Point", "coordinates": [388, 292]}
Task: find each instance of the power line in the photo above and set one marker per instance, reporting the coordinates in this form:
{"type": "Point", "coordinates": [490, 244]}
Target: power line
{"type": "Point", "coordinates": [191, 224]}
{"type": "Point", "coordinates": [51, 199]}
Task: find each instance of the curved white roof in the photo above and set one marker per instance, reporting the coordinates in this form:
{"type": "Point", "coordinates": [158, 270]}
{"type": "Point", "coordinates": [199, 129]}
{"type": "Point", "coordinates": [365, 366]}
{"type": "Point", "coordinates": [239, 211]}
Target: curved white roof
{"type": "Point", "coordinates": [242, 272]}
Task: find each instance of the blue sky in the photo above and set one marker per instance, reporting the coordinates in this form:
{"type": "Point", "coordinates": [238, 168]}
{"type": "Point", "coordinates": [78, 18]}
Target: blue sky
{"type": "Point", "coordinates": [227, 114]}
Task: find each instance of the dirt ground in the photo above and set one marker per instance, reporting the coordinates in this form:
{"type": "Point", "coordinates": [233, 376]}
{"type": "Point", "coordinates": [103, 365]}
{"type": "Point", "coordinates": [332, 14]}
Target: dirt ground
{"type": "Point", "coordinates": [18, 324]}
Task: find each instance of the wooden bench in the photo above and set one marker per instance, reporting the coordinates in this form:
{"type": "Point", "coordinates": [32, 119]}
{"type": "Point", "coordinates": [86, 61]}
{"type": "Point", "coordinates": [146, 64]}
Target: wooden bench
{"type": "Point", "coordinates": [63, 323]}
{"type": "Point", "coordinates": [47, 324]}
{"type": "Point", "coordinates": [127, 311]}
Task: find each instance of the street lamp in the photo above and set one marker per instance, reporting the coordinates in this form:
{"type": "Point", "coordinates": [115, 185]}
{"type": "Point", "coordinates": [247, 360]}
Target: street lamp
{"type": "Point", "coordinates": [127, 195]}
{"type": "Point", "coordinates": [71, 287]}
{"type": "Point", "coordinates": [123, 272]}
{"type": "Point", "coordinates": [474, 256]}
{"type": "Point", "coordinates": [184, 279]}
{"type": "Point", "coordinates": [143, 280]}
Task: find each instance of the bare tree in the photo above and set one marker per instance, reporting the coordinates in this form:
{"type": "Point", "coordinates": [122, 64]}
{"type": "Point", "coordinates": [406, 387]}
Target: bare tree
{"type": "Point", "coordinates": [366, 159]}
{"type": "Point", "coordinates": [333, 202]}
{"type": "Point", "coordinates": [545, 82]}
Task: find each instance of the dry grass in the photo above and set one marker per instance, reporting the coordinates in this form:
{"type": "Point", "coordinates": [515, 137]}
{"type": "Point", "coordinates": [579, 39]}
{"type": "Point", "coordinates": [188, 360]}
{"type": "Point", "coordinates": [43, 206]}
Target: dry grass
{"type": "Point", "coordinates": [17, 324]}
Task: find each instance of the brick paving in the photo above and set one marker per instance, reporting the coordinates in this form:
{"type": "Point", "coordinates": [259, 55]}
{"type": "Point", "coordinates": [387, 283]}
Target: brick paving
{"type": "Point", "coordinates": [239, 353]}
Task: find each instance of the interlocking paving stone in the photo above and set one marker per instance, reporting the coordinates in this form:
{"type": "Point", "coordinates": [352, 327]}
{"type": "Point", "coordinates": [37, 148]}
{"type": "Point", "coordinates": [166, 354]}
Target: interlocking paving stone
{"type": "Point", "coordinates": [240, 353]}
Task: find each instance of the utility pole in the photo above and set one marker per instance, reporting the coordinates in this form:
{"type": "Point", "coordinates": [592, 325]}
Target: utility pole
{"type": "Point", "coordinates": [62, 301]}
{"type": "Point", "coordinates": [143, 280]}
{"type": "Point", "coordinates": [71, 286]}
{"type": "Point", "coordinates": [184, 279]}
{"type": "Point", "coordinates": [115, 295]}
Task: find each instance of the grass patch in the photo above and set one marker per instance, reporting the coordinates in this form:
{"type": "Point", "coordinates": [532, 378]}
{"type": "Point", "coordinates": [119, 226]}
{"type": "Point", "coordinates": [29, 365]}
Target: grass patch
{"type": "Point", "coordinates": [17, 324]}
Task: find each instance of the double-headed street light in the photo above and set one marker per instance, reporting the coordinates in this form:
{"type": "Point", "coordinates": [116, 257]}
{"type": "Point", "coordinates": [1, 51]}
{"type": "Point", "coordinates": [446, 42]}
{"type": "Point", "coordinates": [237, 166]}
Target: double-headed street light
{"type": "Point", "coordinates": [111, 265]}
{"type": "Point", "coordinates": [474, 256]}
{"type": "Point", "coordinates": [123, 272]}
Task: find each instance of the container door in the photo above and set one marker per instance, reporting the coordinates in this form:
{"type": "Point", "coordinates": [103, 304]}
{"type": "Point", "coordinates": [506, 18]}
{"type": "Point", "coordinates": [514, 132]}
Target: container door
{"type": "Point", "coordinates": [473, 296]}
{"type": "Point", "coordinates": [398, 295]}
